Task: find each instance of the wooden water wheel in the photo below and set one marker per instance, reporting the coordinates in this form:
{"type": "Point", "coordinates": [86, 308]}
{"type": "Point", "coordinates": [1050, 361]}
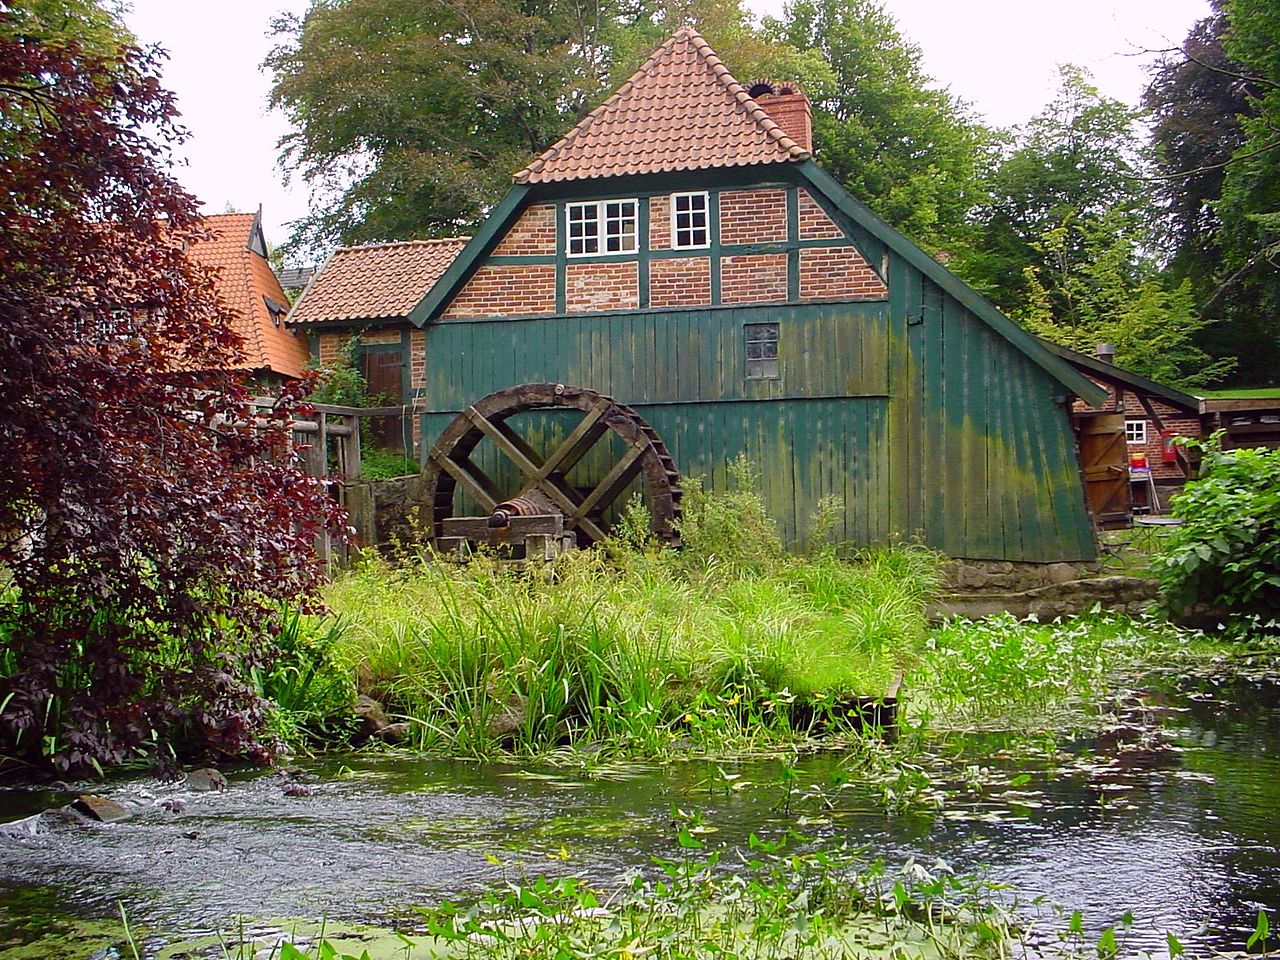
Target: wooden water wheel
{"type": "Point", "coordinates": [543, 484]}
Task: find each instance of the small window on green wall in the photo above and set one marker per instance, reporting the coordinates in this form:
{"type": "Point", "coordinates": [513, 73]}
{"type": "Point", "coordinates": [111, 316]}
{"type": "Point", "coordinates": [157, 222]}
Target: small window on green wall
{"type": "Point", "coordinates": [762, 351]}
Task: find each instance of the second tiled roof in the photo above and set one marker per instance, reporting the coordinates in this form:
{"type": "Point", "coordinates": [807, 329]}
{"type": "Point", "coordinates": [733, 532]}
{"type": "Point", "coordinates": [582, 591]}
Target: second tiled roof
{"type": "Point", "coordinates": [376, 281]}
{"type": "Point", "coordinates": [682, 110]}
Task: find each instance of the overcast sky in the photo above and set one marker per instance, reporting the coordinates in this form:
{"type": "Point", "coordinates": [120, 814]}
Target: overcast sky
{"type": "Point", "coordinates": [1001, 55]}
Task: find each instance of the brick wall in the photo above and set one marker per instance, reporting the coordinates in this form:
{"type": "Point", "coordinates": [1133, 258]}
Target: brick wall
{"type": "Point", "coordinates": [1173, 419]}
{"type": "Point", "coordinates": [756, 278]}
{"type": "Point", "coordinates": [660, 222]}
{"type": "Point", "coordinates": [507, 291]}
{"type": "Point", "coordinates": [838, 273]}
{"type": "Point", "coordinates": [753, 216]}
{"type": "Point", "coordinates": [534, 234]}
{"type": "Point", "coordinates": [814, 222]}
{"type": "Point", "coordinates": [330, 346]}
{"type": "Point", "coordinates": [680, 282]}
{"type": "Point", "coordinates": [594, 287]}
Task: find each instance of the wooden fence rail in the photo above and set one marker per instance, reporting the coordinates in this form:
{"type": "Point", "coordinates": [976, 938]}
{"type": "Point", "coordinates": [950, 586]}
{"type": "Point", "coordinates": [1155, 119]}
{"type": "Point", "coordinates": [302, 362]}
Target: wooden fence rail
{"type": "Point", "coordinates": [328, 443]}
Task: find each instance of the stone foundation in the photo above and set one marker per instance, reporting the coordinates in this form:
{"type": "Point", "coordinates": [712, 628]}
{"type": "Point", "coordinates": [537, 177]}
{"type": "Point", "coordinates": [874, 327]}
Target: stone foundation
{"type": "Point", "coordinates": [982, 588]}
{"type": "Point", "coordinates": [999, 576]}
{"type": "Point", "coordinates": [382, 511]}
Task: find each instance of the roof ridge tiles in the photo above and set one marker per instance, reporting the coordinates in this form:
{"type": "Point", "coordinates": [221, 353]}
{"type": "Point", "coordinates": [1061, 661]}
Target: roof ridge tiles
{"type": "Point", "coordinates": [578, 156]}
{"type": "Point", "coordinates": [379, 244]}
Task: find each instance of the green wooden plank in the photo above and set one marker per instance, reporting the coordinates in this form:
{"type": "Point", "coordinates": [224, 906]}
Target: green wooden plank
{"type": "Point", "coordinates": [912, 310]}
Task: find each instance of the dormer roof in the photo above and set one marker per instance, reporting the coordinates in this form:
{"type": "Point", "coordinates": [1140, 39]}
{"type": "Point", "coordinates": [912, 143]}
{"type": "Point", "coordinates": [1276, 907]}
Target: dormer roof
{"type": "Point", "coordinates": [682, 110]}
{"type": "Point", "coordinates": [246, 284]}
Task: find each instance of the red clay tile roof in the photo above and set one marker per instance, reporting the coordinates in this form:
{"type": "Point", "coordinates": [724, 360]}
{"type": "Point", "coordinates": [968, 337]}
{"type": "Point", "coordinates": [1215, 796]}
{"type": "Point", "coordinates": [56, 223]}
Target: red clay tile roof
{"type": "Point", "coordinates": [376, 281]}
{"type": "Point", "coordinates": [242, 279]}
{"type": "Point", "coordinates": [682, 110]}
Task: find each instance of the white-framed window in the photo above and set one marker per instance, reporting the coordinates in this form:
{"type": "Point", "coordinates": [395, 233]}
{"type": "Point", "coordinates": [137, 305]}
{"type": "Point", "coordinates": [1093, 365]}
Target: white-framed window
{"type": "Point", "coordinates": [1135, 431]}
{"type": "Point", "coordinates": [602, 226]}
{"type": "Point", "coordinates": [690, 223]}
{"type": "Point", "coordinates": [762, 351]}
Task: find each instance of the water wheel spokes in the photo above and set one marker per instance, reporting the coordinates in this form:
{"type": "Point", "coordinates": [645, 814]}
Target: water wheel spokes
{"type": "Point", "coordinates": [450, 465]}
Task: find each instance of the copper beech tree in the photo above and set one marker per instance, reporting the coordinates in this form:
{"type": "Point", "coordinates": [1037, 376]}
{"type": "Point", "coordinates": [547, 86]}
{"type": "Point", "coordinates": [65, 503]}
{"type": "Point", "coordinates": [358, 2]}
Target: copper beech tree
{"type": "Point", "coordinates": [149, 531]}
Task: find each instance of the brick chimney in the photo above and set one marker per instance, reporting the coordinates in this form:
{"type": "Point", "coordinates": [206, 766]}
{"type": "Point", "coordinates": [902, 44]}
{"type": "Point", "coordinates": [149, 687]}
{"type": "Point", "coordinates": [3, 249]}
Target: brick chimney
{"type": "Point", "coordinates": [788, 107]}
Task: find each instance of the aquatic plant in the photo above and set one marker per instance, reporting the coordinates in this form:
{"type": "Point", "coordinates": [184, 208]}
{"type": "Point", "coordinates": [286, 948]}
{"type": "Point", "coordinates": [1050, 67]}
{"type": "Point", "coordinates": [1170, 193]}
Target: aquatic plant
{"type": "Point", "coordinates": [1006, 673]}
{"type": "Point", "coordinates": [781, 899]}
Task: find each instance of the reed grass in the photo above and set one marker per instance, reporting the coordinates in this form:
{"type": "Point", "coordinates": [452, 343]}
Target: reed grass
{"type": "Point", "coordinates": [631, 650]}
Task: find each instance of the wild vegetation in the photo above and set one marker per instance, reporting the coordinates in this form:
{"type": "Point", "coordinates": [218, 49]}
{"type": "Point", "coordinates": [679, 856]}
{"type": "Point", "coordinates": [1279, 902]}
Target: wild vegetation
{"type": "Point", "coordinates": [634, 649]}
{"type": "Point", "coordinates": [1226, 552]}
{"type": "Point", "coordinates": [729, 646]}
{"type": "Point", "coordinates": [146, 540]}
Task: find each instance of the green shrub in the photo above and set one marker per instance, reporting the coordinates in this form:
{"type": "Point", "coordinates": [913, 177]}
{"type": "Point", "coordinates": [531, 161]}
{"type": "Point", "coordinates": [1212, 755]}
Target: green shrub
{"type": "Point", "coordinates": [379, 464]}
{"type": "Point", "coordinates": [729, 530]}
{"type": "Point", "coordinates": [1227, 550]}
{"type": "Point", "coordinates": [308, 689]}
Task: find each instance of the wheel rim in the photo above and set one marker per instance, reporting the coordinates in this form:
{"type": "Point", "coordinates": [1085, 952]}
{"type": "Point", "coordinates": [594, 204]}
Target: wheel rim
{"type": "Point", "coordinates": [450, 467]}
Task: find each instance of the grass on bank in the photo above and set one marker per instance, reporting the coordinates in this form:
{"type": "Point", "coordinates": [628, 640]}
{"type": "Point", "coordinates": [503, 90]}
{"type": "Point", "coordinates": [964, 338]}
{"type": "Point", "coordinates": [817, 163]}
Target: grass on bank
{"type": "Point", "coordinates": [627, 652]}
{"type": "Point", "coordinates": [631, 649]}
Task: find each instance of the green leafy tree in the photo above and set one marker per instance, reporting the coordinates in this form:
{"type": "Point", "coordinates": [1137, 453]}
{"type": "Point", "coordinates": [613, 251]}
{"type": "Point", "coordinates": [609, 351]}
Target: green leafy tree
{"type": "Point", "coordinates": [1196, 99]}
{"type": "Point", "coordinates": [910, 151]}
{"type": "Point", "coordinates": [1067, 168]}
{"type": "Point", "coordinates": [1248, 293]}
{"type": "Point", "coordinates": [1200, 98]}
{"type": "Point", "coordinates": [1091, 286]}
{"type": "Point", "coordinates": [409, 118]}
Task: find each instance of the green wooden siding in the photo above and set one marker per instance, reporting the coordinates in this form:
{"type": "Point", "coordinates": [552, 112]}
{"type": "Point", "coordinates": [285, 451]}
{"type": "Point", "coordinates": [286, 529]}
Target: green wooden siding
{"type": "Point", "coordinates": [919, 416]}
{"type": "Point", "coordinates": [832, 350]}
{"type": "Point", "coordinates": [806, 450]}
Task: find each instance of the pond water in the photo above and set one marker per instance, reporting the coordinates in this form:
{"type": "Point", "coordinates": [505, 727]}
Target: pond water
{"type": "Point", "coordinates": [1173, 814]}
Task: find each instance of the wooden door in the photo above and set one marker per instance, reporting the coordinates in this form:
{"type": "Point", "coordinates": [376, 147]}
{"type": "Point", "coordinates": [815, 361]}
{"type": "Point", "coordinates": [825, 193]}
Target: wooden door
{"type": "Point", "coordinates": [1104, 461]}
{"type": "Point", "coordinates": [383, 376]}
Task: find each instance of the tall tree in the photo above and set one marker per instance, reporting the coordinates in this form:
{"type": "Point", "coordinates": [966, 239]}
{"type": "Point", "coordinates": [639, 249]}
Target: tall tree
{"type": "Point", "coordinates": [1069, 166]}
{"type": "Point", "coordinates": [910, 151]}
{"type": "Point", "coordinates": [409, 118]}
{"type": "Point", "coordinates": [1248, 293]}
{"type": "Point", "coordinates": [1200, 98]}
{"type": "Point", "coordinates": [1100, 289]}
{"type": "Point", "coordinates": [1069, 247]}
{"type": "Point", "coordinates": [147, 536]}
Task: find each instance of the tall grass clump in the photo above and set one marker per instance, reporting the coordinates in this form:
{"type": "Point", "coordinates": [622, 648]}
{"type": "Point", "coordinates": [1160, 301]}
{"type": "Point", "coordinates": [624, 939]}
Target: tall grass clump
{"type": "Point", "coordinates": [632, 649]}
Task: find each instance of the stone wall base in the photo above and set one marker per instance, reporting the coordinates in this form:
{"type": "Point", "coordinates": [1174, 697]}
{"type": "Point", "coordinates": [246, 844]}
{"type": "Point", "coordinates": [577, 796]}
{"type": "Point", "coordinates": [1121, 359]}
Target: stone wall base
{"type": "Point", "coordinates": [1131, 595]}
{"type": "Point", "coordinates": [383, 511]}
{"type": "Point", "coordinates": [1003, 576]}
